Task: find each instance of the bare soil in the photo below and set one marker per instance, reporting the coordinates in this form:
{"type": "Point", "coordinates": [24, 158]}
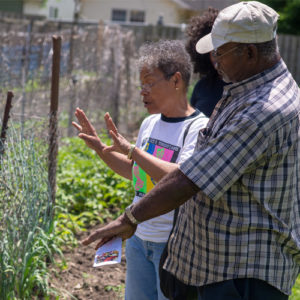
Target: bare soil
{"type": "Point", "coordinates": [81, 281]}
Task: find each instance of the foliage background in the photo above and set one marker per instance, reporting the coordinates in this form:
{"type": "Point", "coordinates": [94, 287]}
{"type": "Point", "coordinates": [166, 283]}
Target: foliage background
{"type": "Point", "coordinates": [289, 11]}
{"type": "Point", "coordinates": [88, 192]}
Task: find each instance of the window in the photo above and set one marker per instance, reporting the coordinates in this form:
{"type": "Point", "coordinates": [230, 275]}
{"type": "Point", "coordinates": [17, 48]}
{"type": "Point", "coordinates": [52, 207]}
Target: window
{"type": "Point", "coordinates": [137, 16]}
{"type": "Point", "coordinates": [118, 15]}
{"type": "Point", "coordinates": [53, 12]}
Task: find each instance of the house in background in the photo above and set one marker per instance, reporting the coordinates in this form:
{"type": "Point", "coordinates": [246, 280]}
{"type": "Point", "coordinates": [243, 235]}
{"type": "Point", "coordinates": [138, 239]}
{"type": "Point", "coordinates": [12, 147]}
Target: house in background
{"type": "Point", "coordinates": [50, 9]}
{"type": "Point", "coordinates": [169, 12]}
{"type": "Point", "coordinates": [41, 9]}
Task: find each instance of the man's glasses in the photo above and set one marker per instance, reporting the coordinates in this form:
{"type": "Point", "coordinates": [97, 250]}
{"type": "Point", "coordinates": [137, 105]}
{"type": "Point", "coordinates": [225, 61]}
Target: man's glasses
{"type": "Point", "coordinates": [217, 56]}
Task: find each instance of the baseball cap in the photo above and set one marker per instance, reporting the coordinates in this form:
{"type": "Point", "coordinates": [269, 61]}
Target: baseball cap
{"type": "Point", "coordinates": [243, 22]}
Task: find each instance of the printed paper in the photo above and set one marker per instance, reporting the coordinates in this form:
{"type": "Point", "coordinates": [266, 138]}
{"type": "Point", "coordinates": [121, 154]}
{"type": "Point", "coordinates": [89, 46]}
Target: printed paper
{"type": "Point", "coordinates": [109, 254]}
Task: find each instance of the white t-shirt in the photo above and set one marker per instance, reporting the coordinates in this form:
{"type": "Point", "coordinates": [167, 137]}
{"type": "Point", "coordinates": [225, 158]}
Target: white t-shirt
{"type": "Point", "coordinates": [163, 138]}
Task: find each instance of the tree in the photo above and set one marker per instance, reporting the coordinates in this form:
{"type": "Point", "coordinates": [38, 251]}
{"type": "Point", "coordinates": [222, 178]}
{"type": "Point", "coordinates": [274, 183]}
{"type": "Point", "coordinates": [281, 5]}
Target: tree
{"type": "Point", "coordinates": [289, 11]}
{"type": "Point", "coordinates": [290, 21]}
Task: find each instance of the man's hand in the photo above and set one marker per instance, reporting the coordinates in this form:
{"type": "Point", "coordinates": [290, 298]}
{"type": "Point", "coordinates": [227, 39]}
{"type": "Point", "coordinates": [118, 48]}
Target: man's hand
{"type": "Point", "coordinates": [87, 131]}
{"type": "Point", "coordinates": [121, 227]}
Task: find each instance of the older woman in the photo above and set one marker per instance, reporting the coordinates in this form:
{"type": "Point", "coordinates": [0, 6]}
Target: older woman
{"type": "Point", "coordinates": [166, 138]}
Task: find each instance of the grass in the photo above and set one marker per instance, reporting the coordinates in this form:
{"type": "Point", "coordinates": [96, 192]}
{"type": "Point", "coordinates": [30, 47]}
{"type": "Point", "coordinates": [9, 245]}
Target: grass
{"type": "Point", "coordinates": [27, 240]}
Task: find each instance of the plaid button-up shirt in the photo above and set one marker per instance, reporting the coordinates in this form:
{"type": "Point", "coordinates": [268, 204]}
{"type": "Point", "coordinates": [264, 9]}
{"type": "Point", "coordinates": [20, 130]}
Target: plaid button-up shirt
{"type": "Point", "coordinates": [245, 222]}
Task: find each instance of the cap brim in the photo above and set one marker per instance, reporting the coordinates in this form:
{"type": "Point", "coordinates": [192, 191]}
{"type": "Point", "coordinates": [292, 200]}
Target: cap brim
{"type": "Point", "coordinates": [206, 44]}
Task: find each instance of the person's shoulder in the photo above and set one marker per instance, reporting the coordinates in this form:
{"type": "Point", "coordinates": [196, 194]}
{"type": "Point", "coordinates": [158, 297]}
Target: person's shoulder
{"type": "Point", "coordinates": [199, 120]}
{"type": "Point", "coordinates": [150, 119]}
{"type": "Point", "coordinates": [201, 83]}
{"type": "Point", "coordinates": [198, 115]}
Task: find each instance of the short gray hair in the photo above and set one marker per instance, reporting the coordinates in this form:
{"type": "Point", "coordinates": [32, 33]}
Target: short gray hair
{"type": "Point", "coordinates": [268, 50]}
{"type": "Point", "coordinates": [169, 56]}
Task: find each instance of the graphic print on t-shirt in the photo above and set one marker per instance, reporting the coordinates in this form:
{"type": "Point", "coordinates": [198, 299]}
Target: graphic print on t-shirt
{"type": "Point", "coordinates": [142, 182]}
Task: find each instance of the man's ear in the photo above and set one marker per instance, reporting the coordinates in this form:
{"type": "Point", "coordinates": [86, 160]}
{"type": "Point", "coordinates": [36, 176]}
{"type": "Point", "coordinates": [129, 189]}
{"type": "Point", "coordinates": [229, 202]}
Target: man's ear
{"type": "Point", "coordinates": [252, 52]}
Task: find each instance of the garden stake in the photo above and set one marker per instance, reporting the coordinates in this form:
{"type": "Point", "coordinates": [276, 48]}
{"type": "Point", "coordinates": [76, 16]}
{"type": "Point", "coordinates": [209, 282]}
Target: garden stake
{"type": "Point", "coordinates": [8, 106]}
{"type": "Point", "coordinates": [53, 140]}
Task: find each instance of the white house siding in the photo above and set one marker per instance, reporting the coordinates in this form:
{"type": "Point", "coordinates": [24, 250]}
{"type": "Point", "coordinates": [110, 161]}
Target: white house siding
{"type": "Point", "coordinates": [65, 8]}
{"type": "Point", "coordinates": [200, 5]}
{"type": "Point", "coordinates": [102, 9]}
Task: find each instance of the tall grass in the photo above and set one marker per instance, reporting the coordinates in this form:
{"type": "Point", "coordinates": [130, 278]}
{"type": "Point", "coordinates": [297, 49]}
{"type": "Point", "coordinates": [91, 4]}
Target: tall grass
{"type": "Point", "coordinates": [27, 240]}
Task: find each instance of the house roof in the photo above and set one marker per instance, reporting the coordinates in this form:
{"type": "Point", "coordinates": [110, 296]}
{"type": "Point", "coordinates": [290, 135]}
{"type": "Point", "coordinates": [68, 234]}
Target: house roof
{"type": "Point", "coordinates": [199, 5]}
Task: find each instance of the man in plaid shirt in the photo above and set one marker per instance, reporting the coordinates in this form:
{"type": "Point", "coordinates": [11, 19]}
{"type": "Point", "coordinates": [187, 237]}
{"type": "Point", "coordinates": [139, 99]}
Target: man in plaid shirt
{"type": "Point", "coordinates": [237, 234]}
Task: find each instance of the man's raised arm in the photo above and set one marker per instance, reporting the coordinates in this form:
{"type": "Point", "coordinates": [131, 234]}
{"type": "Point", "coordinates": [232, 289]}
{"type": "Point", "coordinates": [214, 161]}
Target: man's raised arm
{"type": "Point", "coordinates": [172, 191]}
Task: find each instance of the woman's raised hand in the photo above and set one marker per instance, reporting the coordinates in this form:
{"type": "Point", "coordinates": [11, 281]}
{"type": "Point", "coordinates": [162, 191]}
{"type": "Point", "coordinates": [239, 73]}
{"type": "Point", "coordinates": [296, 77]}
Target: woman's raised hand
{"type": "Point", "coordinates": [120, 144]}
{"type": "Point", "coordinates": [87, 131]}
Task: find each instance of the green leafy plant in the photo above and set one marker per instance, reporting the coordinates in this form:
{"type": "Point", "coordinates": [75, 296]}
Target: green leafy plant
{"type": "Point", "coordinates": [119, 290]}
{"type": "Point", "coordinates": [88, 191]}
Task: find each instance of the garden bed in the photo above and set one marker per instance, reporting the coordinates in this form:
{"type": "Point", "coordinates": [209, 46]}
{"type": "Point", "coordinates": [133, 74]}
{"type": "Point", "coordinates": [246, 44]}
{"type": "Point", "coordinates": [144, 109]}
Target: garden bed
{"type": "Point", "coordinates": [84, 282]}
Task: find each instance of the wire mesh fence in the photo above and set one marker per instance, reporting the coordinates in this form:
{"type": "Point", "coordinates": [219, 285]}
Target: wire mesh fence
{"type": "Point", "coordinates": [97, 73]}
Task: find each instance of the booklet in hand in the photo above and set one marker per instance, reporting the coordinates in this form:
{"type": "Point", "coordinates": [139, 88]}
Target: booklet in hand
{"type": "Point", "coordinates": [109, 254]}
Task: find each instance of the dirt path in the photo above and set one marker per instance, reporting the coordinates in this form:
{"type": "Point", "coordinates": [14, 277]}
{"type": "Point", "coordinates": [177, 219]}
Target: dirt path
{"type": "Point", "coordinates": [81, 281]}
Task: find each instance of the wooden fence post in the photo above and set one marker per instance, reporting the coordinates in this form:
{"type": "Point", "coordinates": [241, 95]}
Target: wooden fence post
{"type": "Point", "coordinates": [8, 106]}
{"type": "Point", "coordinates": [53, 136]}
